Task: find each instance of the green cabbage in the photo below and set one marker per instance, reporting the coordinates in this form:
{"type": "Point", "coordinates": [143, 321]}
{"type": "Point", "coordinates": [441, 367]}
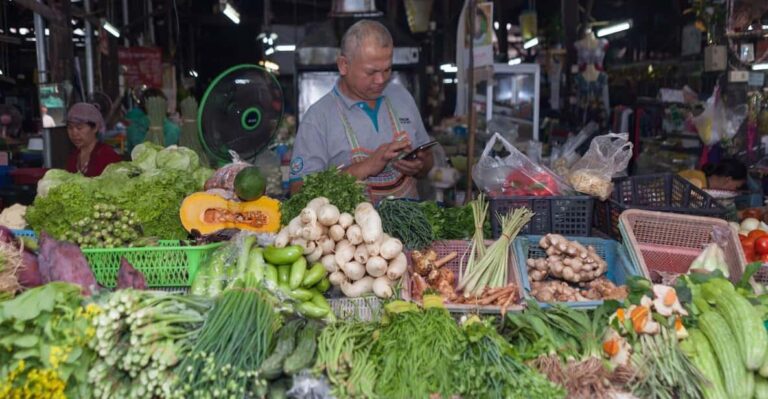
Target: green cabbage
{"type": "Point", "coordinates": [144, 154]}
{"type": "Point", "coordinates": [178, 158]}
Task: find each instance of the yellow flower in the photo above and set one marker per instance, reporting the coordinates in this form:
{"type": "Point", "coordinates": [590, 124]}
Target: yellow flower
{"type": "Point", "coordinates": [92, 309]}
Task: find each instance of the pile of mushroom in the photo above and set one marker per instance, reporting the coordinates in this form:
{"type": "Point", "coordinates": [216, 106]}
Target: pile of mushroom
{"type": "Point", "coordinates": [566, 260]}
{"type": "Point", "coordinates": [353, 249]}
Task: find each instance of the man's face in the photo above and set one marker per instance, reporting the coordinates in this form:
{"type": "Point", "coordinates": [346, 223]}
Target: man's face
{"type": "Point", "coordinates": [367, 72]}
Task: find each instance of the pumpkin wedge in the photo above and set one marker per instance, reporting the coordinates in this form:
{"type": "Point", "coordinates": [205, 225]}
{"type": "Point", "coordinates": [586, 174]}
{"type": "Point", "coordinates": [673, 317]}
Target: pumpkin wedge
{"type": "Point", "coordinates": [209, 213]}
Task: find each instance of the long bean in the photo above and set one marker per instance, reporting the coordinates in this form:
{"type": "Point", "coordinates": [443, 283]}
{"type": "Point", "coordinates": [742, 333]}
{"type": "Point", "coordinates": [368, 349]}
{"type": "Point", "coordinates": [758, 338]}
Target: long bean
{"type": "Point", "coordinates": [406, 221]}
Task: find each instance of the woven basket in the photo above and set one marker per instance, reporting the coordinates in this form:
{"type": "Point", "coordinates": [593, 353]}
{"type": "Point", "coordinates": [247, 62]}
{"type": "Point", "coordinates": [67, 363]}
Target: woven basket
{"type": "Point", "coordinates": [462, 247]}
{"type": "Point", "coordinates": [668, 243]}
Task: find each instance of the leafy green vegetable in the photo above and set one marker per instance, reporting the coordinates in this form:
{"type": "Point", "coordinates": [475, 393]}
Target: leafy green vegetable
{"type": "Point", "coordinates": [175, 157]}
{"type": "Point", "coordinates": [144, 155]}
{"type": "Point", "coordinates": [452, 223]}
{"type": "Point", "coordinates": [342, 189]}
{"type": "Point", "coordinates": [491, 368]}
{"type": "Point", "coordinates": [48, 328]}
{"type": "Point", "coordinates": [154, 196]}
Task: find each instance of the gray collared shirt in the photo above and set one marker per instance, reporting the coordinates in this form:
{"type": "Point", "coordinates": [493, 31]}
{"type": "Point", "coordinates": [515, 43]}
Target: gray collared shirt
{"type": "Point", "coordinates": [321, 141]}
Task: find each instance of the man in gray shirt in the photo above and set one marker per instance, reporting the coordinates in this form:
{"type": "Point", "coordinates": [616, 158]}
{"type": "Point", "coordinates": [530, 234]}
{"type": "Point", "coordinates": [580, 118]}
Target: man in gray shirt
{"type": "Point", "coordinates": [365, 124]}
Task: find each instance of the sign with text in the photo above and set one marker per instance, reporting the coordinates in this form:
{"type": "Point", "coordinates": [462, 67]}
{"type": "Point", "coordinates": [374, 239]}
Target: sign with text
{"type": "Point", "coordinates": [141, 66]}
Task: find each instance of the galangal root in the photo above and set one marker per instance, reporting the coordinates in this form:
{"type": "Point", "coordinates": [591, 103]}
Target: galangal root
{"type": "Point", "coordinates": [560, 291]}
{"type": "Point", "coordinates": [566, 260]}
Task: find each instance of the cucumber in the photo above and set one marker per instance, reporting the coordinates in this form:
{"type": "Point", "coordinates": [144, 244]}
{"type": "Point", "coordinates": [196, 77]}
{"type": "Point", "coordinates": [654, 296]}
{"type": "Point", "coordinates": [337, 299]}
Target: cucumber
{"type": "Point", "coordinates": [279, 390]}
{"type": "Point", "coordinates": [272, 367]}
{"type": "Point", "coordinates": [746, 325]}
{"type": "Point", "coordinates": [761, 388]}
{"type": "Point", "coordinates": [304, 353]}
{"type": "Point", "coordinates": [727, 352]}
{"type": "Point", "coordinates": [704, 359]}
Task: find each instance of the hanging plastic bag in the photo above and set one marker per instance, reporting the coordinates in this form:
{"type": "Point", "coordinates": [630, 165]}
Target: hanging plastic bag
{"type": "Point", "coordinates": [711, 124]}
{"type": "Point", "coordinates": [563, 157]}
{"type": "Point", "coordinates": [514, 175]}
{"type": "Point", "coordinates": [608, 155]}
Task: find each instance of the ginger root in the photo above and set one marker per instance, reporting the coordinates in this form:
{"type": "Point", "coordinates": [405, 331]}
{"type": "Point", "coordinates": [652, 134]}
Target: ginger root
{"type": "Point", "coordinates": [567, 260]}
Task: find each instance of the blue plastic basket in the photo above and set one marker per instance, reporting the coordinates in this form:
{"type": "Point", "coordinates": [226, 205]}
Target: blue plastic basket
{"type": "Point", "coordinates": [25, 233]}
{"type": "Point", "coordinates": [620, 267]}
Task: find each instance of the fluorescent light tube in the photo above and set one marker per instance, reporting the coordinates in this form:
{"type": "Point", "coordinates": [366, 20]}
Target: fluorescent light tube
{"type": "Point", "coordinates": [285, 47]}
{"type": "Point", "coordinates": [613, 29]}
{"type": "Point", "coordinates": [515, 61]}
{"type": "Point", "coordinates": [531, 43]}
{"type": "Point", "coordinates": [760, 67]}
{"type": "Point", "coordinates": [449, 68]}
{"type": "Point", "coordinates": [110, 28]}
{"type": "Point", "coordinates": [231, 13]}
{"type": "Point", "coordinates": [269, 51]}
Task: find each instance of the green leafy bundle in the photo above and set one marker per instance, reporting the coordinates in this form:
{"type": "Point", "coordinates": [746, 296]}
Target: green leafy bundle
{"type": "Point", "coordinates": [152, 186]}
{"type": "Point", "coordinates": [43, 342]}
{"type": "Point", "coordinates": [491, 368]}
{"type": "Point", "coordinates": [415, 353]}
{"type": "Point", "coordinates": [342, 189]}
{"type": "Point", "coordinates": [449, 223]}
{"type": "Point", "coordinates": [406, 221]}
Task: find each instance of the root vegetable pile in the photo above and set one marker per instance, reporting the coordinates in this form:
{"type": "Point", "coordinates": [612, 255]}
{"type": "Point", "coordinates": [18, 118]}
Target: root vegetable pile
{"type": "Point", "coordinates": [571, 272]}
{"type": "Point", "coordinates": [566, 260]}
{"type": "Point", "coordinates": [360, 258]}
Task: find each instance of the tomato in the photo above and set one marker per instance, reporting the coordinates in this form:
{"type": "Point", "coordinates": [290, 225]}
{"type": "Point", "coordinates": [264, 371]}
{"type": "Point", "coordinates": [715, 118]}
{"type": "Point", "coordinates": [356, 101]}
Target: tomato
{"type": "Point", "coordinates": [761, 245]}
{"type": "Point", "coordinates": [755, 234]}
{"type": "Point", "coordinates": [764, 258]}
{"type": "Point", "coordinates": [749, 247]}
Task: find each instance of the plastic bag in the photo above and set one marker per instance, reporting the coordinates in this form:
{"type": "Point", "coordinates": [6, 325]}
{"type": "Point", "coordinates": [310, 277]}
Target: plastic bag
{"type": "Point", "coordinates": [564, 156]}
{"type": "Point", "coordinates": [608, 155]}
{"type": "Point", "coordinates": [514, 175]}
{"type": "Point", "coordinates": [709, 124]}
{"type": "Point", "coordinates": [224, 177]}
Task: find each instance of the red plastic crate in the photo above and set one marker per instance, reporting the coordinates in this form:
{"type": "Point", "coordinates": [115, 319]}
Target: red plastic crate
{"type": "Point", "coordinates": [27, 176]}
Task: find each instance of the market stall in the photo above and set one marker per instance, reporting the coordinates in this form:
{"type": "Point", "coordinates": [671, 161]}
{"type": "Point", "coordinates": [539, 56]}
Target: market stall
{"type": "Point", "coordinates": [328, 295]}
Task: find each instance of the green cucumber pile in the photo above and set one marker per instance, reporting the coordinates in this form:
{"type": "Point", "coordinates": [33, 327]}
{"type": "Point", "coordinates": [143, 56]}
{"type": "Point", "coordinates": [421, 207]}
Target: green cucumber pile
{"type": "Point", "coordinates": [730, 343]}
{"type": "Point", "coordinates": [285, 272]}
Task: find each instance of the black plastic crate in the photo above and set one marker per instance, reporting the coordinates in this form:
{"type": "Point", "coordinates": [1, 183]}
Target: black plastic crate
{"type": "Point", "coordinates": [663, 192]}
{"type": "Point", "coordinates": [567, 215]}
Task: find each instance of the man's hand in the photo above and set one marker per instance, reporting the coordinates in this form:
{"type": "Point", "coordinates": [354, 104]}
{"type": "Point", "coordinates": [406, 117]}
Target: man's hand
{"type": "Point", "coordinates": [378, 160]}
{"type": "Point", "coordinates": [416, 167]}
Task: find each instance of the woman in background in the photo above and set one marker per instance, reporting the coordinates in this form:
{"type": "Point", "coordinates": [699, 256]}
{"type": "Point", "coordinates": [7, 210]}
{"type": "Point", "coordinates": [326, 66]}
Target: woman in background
{"type": "Point", "coordinates": [84, 122]}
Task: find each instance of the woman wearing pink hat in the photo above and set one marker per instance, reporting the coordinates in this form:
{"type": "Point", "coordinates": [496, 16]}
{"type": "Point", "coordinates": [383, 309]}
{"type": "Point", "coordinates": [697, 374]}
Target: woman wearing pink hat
{"type": "Point", "coordinates": [84, 122]}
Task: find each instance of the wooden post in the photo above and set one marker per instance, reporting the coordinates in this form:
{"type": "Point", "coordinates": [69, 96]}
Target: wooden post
{"type": "Point", "coordinates": [470, 99]}
{"type": "Point", "coordinates": [570, 13]}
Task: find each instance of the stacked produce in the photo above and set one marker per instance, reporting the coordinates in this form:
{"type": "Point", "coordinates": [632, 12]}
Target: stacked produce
{"type": "Point", "coordinates": [569, 262]}
{"type": "Point", "coordinates": [354, 249]}
{"type": "Point", "coordinates": [295, 346]}
{"type": "Point", "coordinates": [219, 364]}
{"type": "Point", "coordinates": [151, 186]}
{"type": "Point", "coordinates": [753, 235]}
{"type": "Point", "coordinates": [341, 189]}
{"type": "Point", "coordinates": [283, 271]}
{"type": "Point", "coordinates": [729, 343]}
{"type": "Point", "coordinates": [140, 338]}
{"type": "Point", "coordinates": [108, 227]}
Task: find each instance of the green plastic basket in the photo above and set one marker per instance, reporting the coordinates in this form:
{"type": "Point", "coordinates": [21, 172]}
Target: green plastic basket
{"type": "Point", "coordinates": [168, 265]}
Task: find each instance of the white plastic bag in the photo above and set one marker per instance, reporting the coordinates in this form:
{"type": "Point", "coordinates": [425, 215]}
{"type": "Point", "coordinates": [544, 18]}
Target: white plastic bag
{"type": "Point", "coordinates": [515, 174]}
{"type": "Point", "coordinates": [564, 156]}
{"type": "Point", "coordinates": [608, 155]}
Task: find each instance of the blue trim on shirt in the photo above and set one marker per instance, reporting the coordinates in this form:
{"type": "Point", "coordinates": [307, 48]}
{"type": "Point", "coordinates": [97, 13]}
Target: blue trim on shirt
{"type": "Point", "coordinates": [373, 114]}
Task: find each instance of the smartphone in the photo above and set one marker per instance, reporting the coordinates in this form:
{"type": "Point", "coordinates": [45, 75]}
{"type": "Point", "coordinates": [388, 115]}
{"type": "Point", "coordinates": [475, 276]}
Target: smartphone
{"type": "Point", "coordinates": [413, 154]}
